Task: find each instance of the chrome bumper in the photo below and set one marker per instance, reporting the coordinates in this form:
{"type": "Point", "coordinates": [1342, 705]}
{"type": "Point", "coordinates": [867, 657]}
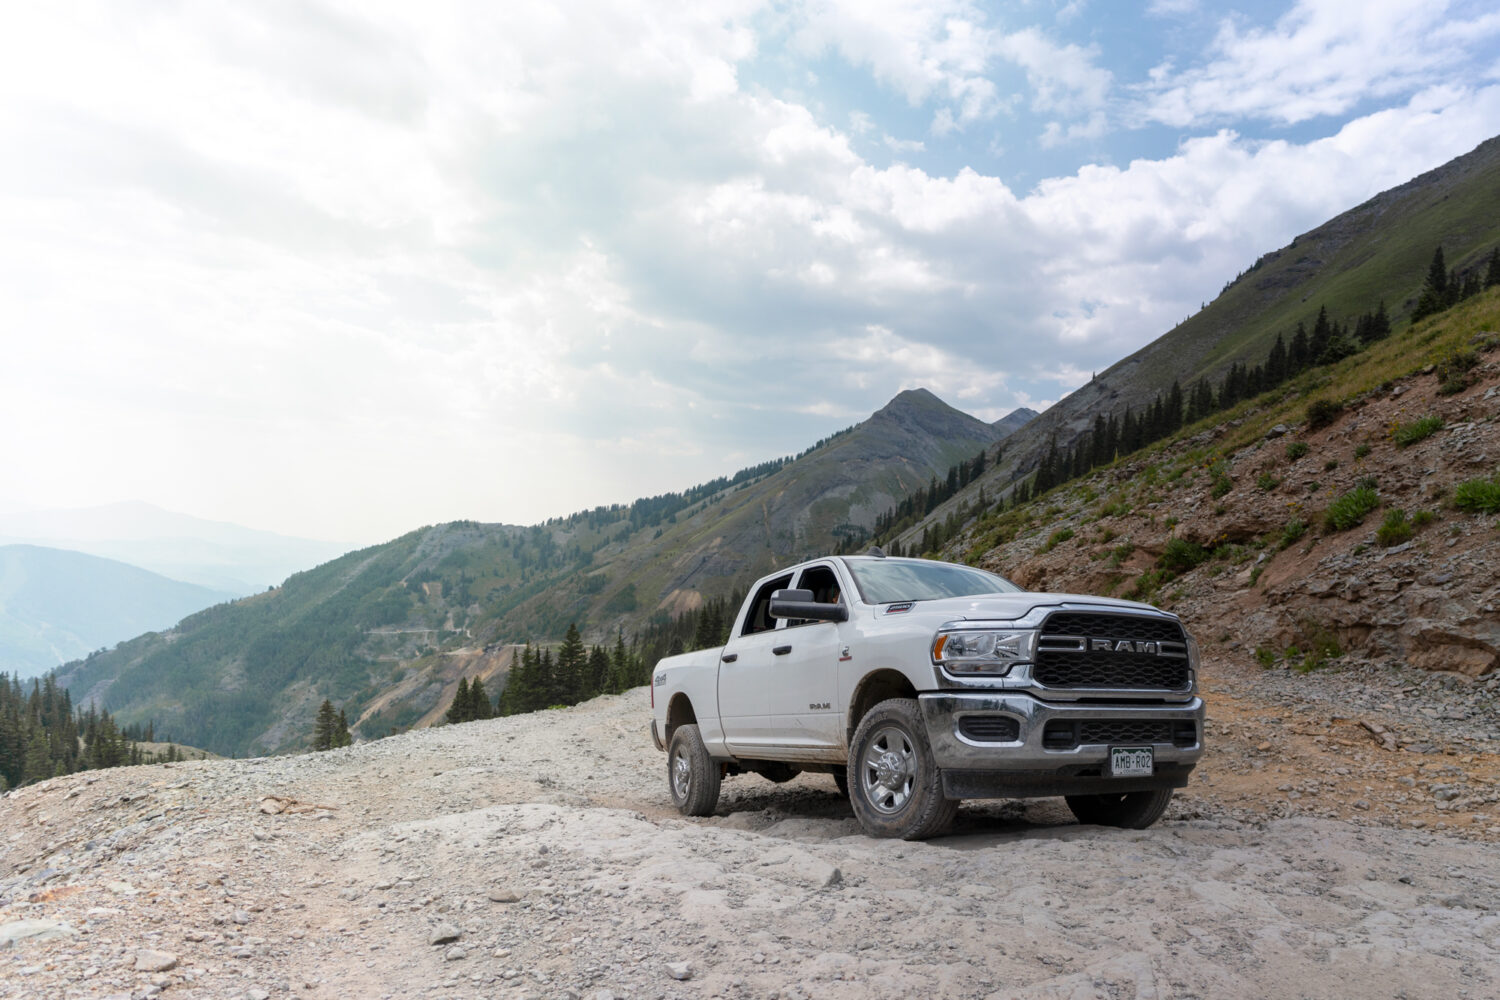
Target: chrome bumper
{"type": "Point", "coordinates": [1023, 766]}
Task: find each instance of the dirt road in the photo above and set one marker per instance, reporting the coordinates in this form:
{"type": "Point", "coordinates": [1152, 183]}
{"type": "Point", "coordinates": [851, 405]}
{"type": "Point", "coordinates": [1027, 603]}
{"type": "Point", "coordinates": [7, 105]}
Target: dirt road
{"type": "Point", "coordinates": [539, 857]}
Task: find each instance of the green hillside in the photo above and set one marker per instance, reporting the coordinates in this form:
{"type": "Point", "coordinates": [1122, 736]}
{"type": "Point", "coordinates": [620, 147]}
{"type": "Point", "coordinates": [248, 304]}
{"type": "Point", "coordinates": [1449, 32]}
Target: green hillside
{"type": "Point", "coordinates": [248, 677]}
{"type": "Point", "coordinates": [1377, 252]}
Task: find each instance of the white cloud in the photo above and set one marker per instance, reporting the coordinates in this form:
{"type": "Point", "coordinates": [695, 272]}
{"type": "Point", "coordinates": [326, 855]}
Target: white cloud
{"type": "Point", "coordinates": [903, 145]}
{"type": "Point", "coordinates": [1321, 58]}
{"type": "Point", "coordinates": [342, 270]}
{"type": "Point", "coordinates": [1064, 78]}
{"type": "Point", "coordinates": [927, 51]}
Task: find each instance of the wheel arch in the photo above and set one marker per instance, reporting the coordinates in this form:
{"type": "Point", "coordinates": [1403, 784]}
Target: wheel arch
{"type": "Point", "coordinates": [873, 688]}
{"type": "Point", "coordinates": [679, 713]}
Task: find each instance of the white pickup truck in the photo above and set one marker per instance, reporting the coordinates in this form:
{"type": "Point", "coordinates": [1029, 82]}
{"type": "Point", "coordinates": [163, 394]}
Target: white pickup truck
{"type": "Point", "coordinates": [918, 683]}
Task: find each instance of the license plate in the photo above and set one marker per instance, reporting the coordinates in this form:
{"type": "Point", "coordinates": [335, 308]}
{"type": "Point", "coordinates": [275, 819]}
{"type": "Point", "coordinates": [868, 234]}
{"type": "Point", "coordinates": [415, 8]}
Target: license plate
{"type": "Point", "coordinates": [1130, 762]}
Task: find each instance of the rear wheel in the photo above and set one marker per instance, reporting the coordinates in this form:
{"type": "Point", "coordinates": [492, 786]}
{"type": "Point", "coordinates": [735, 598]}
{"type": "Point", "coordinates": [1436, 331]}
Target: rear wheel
{"type": "Point", "coordinates": [692, 775]}
{"type": "Point", "coordinates": [1129, 810]}
{"type": "Point", "coordinates": [894, 784]}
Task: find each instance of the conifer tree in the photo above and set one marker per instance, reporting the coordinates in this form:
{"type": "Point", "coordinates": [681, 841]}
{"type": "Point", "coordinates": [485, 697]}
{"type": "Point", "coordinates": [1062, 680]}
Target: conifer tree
{"type": "Point", "coordinates": [1434, 297]}
{"type": "Point", "coordinates": [1492, 275]}
{"type": "Point", "coordinates": [1276, 362]}
{"type": "Point", "coordinates": [1299, 355]}
{"type": "Point", "coordinates": [597, 674]}
{"type": "Point", "coordinates": [479, 701]}
{"type": "Point", "coordinates": [324, 727]}
{"type": "Point", "coordinates": [341, 735]}
{"type": "Point", "coordinates": [458, 710]}
{"type": "Point", "coordinates": [570, 661]}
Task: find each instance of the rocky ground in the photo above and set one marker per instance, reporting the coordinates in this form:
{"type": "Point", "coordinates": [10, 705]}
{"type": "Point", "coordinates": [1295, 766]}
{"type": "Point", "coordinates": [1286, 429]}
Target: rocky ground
{"type": "Point", "coordinates": [1340, 839]}
{"type": "Point", "coordinates": [539, 857]}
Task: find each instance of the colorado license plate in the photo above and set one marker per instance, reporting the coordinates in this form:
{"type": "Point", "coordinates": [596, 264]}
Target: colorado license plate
{"type": "Point", "coordinates": [1130, 762]}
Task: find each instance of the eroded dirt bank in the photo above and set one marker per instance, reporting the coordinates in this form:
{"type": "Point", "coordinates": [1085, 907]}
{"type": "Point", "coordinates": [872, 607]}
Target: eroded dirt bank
{"type": "Point", "coordinates": [538, 856]}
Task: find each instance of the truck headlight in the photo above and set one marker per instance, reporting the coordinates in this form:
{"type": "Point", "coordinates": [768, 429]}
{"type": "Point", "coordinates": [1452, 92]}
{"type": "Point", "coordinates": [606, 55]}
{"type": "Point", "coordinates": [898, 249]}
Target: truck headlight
{"type": "Point", "coordinates": [983, 651]}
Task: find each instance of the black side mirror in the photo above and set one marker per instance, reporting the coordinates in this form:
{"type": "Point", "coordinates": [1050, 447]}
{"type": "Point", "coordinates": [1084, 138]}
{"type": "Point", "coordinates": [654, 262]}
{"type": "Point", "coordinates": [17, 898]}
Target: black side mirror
{"type": "Point", "coordinates": [800, 604]}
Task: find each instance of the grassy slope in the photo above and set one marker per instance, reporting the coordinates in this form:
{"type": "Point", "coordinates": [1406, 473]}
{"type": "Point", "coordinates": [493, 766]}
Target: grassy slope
{"type": "Point", "coordinates": [1377, 251]}
{"type": "Point", "coordinates": [1411, 350]}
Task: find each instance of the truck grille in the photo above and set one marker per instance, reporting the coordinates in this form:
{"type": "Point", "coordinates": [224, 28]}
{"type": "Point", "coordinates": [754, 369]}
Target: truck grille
{"type": "Point", "coordinates": [1091, 650]}
{"type": "Point", "coordinates": [1065, 734]}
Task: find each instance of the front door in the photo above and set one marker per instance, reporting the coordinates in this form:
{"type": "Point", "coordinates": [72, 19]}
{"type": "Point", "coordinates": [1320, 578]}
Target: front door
{"type": "Point", "coordinates": [745, 664]}
{"type": "Point", "coordinates": [805, 704]}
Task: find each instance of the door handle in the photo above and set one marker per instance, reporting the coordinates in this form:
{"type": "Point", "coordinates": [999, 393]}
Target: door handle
{"type": "Point", "coordinates": [730, 657]}
{"type": "Point", "coordinates": [781, 650]}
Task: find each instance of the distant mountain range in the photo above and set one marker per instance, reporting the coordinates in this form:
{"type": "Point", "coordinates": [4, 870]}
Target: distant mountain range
{"type": "Point", "coordinates": [56, 606]}
{"type": "Point", "coordinates": [247, 677]}
{"type": "Point", "coordinates": [214, 554]}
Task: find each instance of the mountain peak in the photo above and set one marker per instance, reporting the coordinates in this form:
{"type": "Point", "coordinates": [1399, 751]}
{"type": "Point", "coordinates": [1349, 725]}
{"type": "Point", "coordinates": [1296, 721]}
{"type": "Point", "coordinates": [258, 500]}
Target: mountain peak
{"type": "Point", "coordinates": [911, 399]}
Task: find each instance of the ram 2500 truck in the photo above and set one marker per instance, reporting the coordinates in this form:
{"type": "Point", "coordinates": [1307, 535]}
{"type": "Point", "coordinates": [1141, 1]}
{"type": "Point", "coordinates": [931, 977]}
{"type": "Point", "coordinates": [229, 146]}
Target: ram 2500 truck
{"type": "Point", "coordinates": [918, 683]}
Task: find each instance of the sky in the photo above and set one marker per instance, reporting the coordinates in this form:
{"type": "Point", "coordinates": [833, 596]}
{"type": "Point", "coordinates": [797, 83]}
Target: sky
{"type": "Point", "coordinates": [342, 269]}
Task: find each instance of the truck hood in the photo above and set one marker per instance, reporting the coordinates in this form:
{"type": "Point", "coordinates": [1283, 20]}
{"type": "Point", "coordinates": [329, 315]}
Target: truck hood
{"type": "Point", "coordinates": [1007, 607]}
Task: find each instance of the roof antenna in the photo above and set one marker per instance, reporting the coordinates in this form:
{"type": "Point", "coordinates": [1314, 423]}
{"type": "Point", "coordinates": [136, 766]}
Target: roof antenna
{"type": "Point", "coordinates": [876, 551]}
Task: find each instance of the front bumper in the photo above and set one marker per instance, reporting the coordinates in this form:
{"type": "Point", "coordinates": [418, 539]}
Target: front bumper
{"type": "Point", "coordinates": [1022, 766]}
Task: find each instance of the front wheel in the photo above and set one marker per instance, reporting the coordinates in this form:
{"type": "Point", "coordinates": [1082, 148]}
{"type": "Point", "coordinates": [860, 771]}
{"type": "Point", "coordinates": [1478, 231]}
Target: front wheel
{"type": "Point", "coordinates": [894, 784]}
{"type": "Point", "coordinates": [692, 775]}
{"type": "Point", "coordinates": [1128, 810]}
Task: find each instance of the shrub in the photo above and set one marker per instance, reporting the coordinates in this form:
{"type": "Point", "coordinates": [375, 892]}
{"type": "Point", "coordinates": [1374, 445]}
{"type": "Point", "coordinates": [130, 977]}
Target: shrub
{"type": "Point", "coordinates": [1350, 509]}
{"type": "Point", "coordinates": [1056, 538]}
{"type": "Point", "coordinates": [1323, 645]}
{"type": "Point", "coordinates": [1295, 529]}
{"type": "Point", "coordinates": [1422, 518]}
{"type": "Point", "coordinates": [1482, 496]}
{"type": "Point", "coordinates": [1181, 555]}
{"type": "Point", "coordinates": [1330, 465]}
{"type": "Point", "coordinates": [1120, 553]}
{"type": "Point", "coordinates": [1265, 656]}
{"type": "Point", "coordinates": [1394, 530]}
{"type": "Point", "coordinates": [1322, 412]}
{"type": "Point", "coordinates": [1222, 485]}
{"type": "Point", "coordinates": [1267, 482]}
{"type": "Point", "coordinates": [1296, 450]}
{"type": "Point", "coordinates": [1361, 450]}
{"type": "Point", "coordinates": [1424, 427]}
{"type": "Point", "coordinates": [1453, 372]}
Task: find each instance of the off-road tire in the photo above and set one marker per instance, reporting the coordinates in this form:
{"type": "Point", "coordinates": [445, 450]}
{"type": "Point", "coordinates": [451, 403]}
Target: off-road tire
{"type": "Point", "coordinates": [894, 784]}
{"type": "Point", "coordinates": [692, 775]}
{"type": "Point", "coordinates": [1127, 810]}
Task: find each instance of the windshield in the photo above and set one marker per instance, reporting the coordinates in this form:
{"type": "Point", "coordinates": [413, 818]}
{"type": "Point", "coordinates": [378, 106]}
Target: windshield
{"type": "Point", "coordinates": [882, 581]}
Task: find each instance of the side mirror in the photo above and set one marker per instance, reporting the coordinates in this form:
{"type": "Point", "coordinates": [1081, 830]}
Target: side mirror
{"type": "Point", "coordinates": [800, 604]}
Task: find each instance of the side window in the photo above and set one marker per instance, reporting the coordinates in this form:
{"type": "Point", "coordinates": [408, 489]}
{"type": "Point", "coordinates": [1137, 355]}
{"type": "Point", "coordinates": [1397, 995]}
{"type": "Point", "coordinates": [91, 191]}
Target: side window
{"type": "Point", "coordinates": [824, 584]}
{"type": "Point", "coordinates": [759, 619]}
